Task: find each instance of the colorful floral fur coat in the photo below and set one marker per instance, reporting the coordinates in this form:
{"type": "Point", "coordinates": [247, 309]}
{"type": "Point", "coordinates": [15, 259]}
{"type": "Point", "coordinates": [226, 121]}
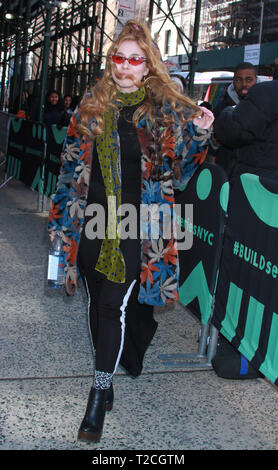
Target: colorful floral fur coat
{"type": "Point", "coordinates": [182, 150]}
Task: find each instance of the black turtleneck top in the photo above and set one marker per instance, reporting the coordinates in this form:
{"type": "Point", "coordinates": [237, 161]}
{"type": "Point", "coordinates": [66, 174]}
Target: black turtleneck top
{"type": "Point", "coordinates": [131, 192]}
{"type": "Point", "coordinates": [130, 163]}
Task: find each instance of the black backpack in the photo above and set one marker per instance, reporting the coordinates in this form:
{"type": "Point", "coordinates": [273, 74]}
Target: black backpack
{"type": "Point", "coordinates": [229, 363]}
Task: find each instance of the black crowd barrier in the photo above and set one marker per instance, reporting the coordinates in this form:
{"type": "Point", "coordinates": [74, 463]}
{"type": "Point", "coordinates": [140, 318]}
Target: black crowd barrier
{"type": "Point", "coordinates": [208, 192]}
{"type": "Point", "coordinates": [5, 119]}
{"type": "Point", "coordinates": [246, 301]}
{"type": "Point", "coordinates": [26, 152]}
{"type": "Point", "coordinates": [33, 154]}
{"type": "Point", "coordinates": [232, 284]}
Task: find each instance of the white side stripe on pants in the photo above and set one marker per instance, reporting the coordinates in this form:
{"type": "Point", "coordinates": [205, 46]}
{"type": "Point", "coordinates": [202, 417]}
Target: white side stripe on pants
{"type": "Point", "coordinates": [122, 320]}
{"type": "Point", "coordinates": [88, 313]}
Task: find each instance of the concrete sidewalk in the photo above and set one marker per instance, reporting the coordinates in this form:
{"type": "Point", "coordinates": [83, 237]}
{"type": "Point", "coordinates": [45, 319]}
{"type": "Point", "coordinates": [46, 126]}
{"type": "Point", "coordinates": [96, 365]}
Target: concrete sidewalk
{"type": "Point", "coordinates": [46, 366]}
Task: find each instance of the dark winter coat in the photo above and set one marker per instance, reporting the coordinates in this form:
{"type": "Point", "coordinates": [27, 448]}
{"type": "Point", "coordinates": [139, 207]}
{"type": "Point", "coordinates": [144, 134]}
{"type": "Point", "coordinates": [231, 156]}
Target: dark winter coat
{"type": "Point", "coordinates": [230, 98]}
{"type": "Point", "coordinates": [225, 157]}
{"type": "Point", "coordinates": [56, 114]}
{"type": "Point", "coordinates": [251, 129]}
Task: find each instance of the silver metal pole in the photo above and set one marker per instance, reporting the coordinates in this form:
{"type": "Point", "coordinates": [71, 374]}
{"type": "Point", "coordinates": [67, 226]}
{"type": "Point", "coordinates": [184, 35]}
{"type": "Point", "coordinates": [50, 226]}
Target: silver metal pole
{"type": "Point", "coordinates": [261, 22]}
{"type": "Point", "coordinates": [212, 346]}
{"type": "Point", "coordinates": [203, 343]}
{"type": "Point", "coordinates": [6, 181]}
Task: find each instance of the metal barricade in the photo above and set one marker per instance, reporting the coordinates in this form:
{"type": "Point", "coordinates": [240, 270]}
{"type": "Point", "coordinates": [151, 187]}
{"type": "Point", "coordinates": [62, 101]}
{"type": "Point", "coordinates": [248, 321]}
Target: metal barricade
{"type": "Point", "coordinates": [5, 119]}
{"type": "Point", "coordinates": [208, 191]}
{"type": "Point", "coordinates": [32, 155]}
{"type": "Point", "coordinates": [246, 302]}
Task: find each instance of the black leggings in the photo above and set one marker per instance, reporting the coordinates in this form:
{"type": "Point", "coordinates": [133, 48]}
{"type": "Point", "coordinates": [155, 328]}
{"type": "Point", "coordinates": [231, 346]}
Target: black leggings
{"type": "Point", "coordinates": [117, 321]}
{"type": "Point", "coordinates": [107, 318]}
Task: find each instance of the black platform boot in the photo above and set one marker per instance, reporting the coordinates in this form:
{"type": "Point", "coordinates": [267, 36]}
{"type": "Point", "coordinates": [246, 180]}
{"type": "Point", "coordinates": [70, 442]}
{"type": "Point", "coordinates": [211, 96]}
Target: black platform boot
{"type": "Point", "coordinates": [109, 398]}
{"type": "Point", "coordinates": [99, 402]}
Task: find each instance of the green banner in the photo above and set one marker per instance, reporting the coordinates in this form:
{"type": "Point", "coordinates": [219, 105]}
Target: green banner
{"type": "Point", "coordinates": [199, 265]}
{"type": "Point", "coordinates": [246, 302]}
{"type": "Point", "coordinates": [26, 152]}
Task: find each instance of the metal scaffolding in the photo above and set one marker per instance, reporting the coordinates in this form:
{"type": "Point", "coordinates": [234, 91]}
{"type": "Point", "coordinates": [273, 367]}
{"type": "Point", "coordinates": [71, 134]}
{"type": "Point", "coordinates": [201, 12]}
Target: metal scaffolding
{"type": "Point", "coordinates": [238, 23]}
{"type": "Point", "coordinates": [190, 45]}
{"type": "Point", "coordinates": [45, 46]}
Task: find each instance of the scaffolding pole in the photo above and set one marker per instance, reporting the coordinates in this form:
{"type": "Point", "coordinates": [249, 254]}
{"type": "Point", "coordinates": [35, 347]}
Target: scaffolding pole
{"type": "Point", "coordinates": [46, 47]}
{"type": "Point", "coordinates": [193, 59]}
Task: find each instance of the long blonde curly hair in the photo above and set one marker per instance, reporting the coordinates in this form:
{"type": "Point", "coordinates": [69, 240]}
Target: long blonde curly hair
{"type": "Point", "coordinates": [160, 88]}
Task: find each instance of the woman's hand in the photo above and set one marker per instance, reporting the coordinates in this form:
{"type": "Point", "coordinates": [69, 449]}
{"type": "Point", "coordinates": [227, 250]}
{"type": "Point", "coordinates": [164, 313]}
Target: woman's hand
{"type": "Point", "coordinates": [205, 120]}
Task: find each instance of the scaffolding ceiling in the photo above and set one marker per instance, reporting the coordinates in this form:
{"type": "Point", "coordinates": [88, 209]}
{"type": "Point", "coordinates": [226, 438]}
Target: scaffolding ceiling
{"type": "Point", "coordinates": [77, 40]}
{"type": "Point", "coordinates": [20, 9]}
{"type": "Point", "coordinates": [16, 6]}
{"type": "Point", "coordinates": [32, 13]}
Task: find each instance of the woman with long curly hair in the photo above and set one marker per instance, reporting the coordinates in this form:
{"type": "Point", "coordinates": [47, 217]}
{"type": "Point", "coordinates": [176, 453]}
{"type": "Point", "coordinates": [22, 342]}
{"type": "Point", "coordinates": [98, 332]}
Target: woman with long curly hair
{"type": "Point", "coordinates": [133, 140]}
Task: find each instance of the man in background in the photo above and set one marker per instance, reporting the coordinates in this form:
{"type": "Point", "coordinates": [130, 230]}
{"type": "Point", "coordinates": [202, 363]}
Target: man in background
{"type": "Point", "coordinates": [245, 77]}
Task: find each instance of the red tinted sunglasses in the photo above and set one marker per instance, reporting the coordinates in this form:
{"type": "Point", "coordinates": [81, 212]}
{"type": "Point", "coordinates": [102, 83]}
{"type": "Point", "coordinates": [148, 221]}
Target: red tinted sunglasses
{"type": "Point", "coordinates": [120, 59]}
